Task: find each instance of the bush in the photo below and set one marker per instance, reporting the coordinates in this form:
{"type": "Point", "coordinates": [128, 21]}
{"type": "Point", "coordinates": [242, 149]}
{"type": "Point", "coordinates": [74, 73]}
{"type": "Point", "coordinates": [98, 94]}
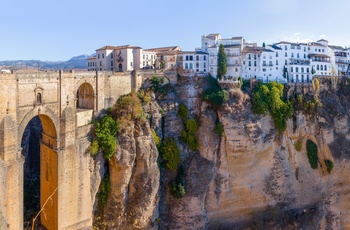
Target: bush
{"type": "Point", "coordinates": [188, 135]}
{"type": "Point", "coordinates": [311, 148]}
{"type": "Point", "coordinates": [177, 190]}
{"type": "Point", "coordinates": [215, 95]}
{"type": "Point", "coordinates": [298, 145]}
{"type": "Point", "coordinates": [106, 131]}
{"type": "Point", "coordinates": [94, 148]}
{"type": "Point", "coordinates": [219, 129]}
{"type": "Point", "coordinates": [155, 138]}
{"type": "Point", "coordinates": [156, 81]}
{"type": "Point", "coordinates": [105, 189]}
{"type": "Point", "coordinates": [128, 107]}
{"type": "Point", "coordinates": [170, 153]}
{"type": "Point", "coordinates": [329, 165]}
{"type": "Point", "coordinates": [269, 98]}
{"type": "Point", "coordinates": [183, 112]}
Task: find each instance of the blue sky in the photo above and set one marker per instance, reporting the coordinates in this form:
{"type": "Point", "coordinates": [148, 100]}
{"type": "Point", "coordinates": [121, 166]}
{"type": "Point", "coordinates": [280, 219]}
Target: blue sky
{"type": "Point", "coordinates": [60, 29]}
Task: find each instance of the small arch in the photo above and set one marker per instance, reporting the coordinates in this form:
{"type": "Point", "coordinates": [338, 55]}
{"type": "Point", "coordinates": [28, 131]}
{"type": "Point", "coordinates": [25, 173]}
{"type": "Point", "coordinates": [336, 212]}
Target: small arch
{"type": "Point", "coordinates": [85, 96]}
{"type": "Point", "coordinates": [38, 98]}
{"type": "Point", "coordinates": [120, 67]}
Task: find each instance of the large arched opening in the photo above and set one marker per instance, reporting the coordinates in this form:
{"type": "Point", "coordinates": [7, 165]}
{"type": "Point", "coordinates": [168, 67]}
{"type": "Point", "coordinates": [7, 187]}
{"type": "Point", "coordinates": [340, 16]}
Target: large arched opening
{"type": "Point", "coordinates": [40, 172]}
{"type": "Point", "coordinates": [85, 97]}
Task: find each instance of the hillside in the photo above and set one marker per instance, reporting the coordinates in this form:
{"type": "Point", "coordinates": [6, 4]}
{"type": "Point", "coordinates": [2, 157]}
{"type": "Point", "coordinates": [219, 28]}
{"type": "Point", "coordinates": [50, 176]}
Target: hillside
{"type": "Point", "coordinates": [77, 62]}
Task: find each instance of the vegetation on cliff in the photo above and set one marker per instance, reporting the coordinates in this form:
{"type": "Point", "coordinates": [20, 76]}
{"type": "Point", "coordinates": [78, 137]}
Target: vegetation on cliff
{"type": "Point", "coordinates": [214, 94]}
{"type": "Point", "coordinates": [311, 148]}
{"type": "Point", "coordinates": [269, 98]}
{"type": "Point", "coordinates": [106, 130]}
{"type": "Point", "coordinates": [170, 153]}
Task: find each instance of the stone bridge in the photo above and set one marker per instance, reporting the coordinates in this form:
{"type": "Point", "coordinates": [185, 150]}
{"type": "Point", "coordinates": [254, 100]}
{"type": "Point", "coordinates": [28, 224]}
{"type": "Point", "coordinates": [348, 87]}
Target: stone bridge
{"type": "Point", "coordinates": [65, 102]}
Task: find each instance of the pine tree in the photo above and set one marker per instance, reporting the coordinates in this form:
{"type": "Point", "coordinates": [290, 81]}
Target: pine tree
{"type": "Point", "coordinates": [222, 70]}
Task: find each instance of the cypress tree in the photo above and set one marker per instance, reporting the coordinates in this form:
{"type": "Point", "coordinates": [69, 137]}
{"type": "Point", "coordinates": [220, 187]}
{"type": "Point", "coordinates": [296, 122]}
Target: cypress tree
{"type": "Point", "coordinates": [222, 70]}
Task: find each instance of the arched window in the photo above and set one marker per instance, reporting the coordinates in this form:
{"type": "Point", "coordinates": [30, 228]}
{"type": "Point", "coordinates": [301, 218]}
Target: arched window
{"type": "Point", "coordinates": [321, 67]}
{"type": "Point", "coordinates": [325, 67]}
{"type": "Point", "coordinates": [38, 98]}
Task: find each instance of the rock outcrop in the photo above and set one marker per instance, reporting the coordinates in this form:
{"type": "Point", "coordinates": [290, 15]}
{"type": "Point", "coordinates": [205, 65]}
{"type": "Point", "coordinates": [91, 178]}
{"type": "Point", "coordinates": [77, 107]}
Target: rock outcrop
{"type": "Point", "coordinates": [134, 178]}
{"type": "Point", "coordinates": [251, 177]}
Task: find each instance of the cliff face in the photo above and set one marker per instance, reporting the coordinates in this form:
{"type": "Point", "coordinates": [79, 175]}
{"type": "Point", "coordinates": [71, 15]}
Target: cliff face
{"type": "Point", "coordinates": [251, 177]}
{"type": "Point", "coordinates": [134, 178]}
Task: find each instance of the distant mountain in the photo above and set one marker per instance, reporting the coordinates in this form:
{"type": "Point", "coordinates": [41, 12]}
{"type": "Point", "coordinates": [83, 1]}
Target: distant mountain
{"type": "Point", "coordinates": [78, 62]}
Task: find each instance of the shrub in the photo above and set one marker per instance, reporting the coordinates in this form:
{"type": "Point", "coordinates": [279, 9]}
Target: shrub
{"type": "Point", "coordinates": [311, 148]}
{"type": "Point", "coordinates": [170, 153]}
{"type": "Point", "coordinates": [94, 148]}
{"type": "Point", "coordinates": [183, 112]}
{"type": "Point", "coordinates": [105, 189]}
{"type": "Point", "coordinates": [219, 129]}
{"type": "Point", "coordinates": [144, 96]}
{"type": "Point", "coordinates": [269, 98]}
{"type": "Point", "coordinates": [156, 81]}
{"type": "Point", "coordinates": [329, 165]}
{"type": "Point", "coordinates": [298, 145]}
{"type": "Point", "coordinates": [155, 138]}
{"type": "Point", "coordinates": [188, 135]}
{"type": "Point", "coordinates": [215, 95]}
{"type": "Point", "coordinates": [128, 107]}
{"type": "Point", "coordinates": [177, 190]}
{"type": "Point", "coordinates": [106, 130]}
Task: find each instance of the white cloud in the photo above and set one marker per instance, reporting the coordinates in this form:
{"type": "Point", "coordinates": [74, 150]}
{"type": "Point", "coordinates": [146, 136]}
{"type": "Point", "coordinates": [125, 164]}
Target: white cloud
{"type": "Point", "coordinates": [322, 36]}
{"type": "Point", "coordinates": [298, 38]}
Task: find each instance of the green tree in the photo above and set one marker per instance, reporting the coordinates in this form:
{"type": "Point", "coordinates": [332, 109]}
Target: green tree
{"type": "Point", "coordinates": [222, 70]}
{"type": "Point", "coordinates": [264, 45]}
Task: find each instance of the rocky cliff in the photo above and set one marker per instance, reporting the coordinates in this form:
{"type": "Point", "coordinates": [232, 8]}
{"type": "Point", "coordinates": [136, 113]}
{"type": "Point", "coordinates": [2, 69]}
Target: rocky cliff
{"type": "Point", "coordinates": [251, 177]}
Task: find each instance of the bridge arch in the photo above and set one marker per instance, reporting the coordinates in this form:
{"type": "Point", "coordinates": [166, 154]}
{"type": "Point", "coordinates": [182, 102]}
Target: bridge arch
{"type": "Point", "coordinates": [47, 169]}
{"type": "Point", "coordinates": [85, 96]}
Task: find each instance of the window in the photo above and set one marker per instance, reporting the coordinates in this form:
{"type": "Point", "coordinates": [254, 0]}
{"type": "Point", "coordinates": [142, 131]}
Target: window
{"type": "Point", "coordinates": [254, 56]}
{"type": "Point", "coordinates": [254, 63]}
{"type": "Point", "coordinates": [186, 65]}
{"type": "Point", "coordinates": [321, 67]}
{"type": "Point", "coordinates": [318, 67]}
{"type": "Point", "coordinates": [296, 69]}
{"type": "Point", "coordinates": [276, 54]}
{"type": "Point", "coordinates": [276, 62]}
{"type": "Point", "coordinates": [100, 63]}
{"type": "Point", "coordinates": [191, 65]}
{"type": "Point", "coordinates": [304, 49]}
{"type": "Point", "coordinates": [236, 69]}
{"type": "Point", "coordinates": [130, 63]}
{"type": "Point", "coordinates": [38, 98]}
{"type": "Point", "coordinates": [264, 57]}
{"type": "Point", "coordinates": [292, 55]}
{"type": "Point", "coordinates": [291, 69]}
{"type": "Point", "coordinates": [302, 69]}
{"type": "Point", "coordinates": [204, 58]}
{"type": "Point", "coordinates": [143, 56]}
{"type": "Point", "coordinates": [285, 62]}
{"type": "Point", "coordinates": [285, 47]}
{"type": "Point", "coordinates": [204, 65]}
{"type": "Point", "coordinates": [197, 58]}
{"type": "Point", "coordinates": [191, 58]}
{"type": "Point", "coordinates": [250, 63]}
{"type": "Point", "coordinates": [297, 55]}
{"type": "Point", "coordinates": [103, 55]}
{"type": "Point", "coordinates": [270, 63]}
{"type": "Point", "coordinates": [197, 65]}
{"type": "Point", "coordinates": [98, 56]}
{"type": "Point", "coordinates": [285, 54]}
{"type": "Point", "coordinates": [264, 63]}
{"type": "Point", "coordinates": [325, 67]}
{"type": "Point", "coordinates": [111, 55]}
{"type": "Point", "coordinates": [304, 56]}
{"type": "Point", "coordinates": [264, 70]}
{"type": "Point", "coordinates": [111, 63]}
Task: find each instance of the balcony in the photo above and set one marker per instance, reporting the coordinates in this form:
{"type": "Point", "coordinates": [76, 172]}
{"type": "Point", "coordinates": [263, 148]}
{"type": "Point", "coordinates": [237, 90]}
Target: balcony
{"type": "Point", "coordinates": [299, 62]}
{"type": "Point", "coordinates": [233, 55]}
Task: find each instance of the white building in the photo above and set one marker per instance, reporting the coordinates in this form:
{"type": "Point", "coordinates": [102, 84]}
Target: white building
{"type": "Point", "coordinates": [233, 50]}
{"type": "Point", "coordinates": [194, 61]}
